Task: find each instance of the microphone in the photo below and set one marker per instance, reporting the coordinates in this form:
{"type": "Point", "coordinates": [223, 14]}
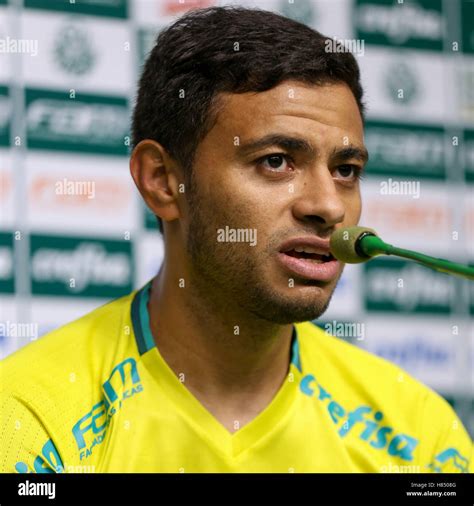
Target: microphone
{"type": "Point", "coordinates": [354, 245]}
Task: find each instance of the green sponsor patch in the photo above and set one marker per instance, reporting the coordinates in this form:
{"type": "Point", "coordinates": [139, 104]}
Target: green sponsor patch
{"type": "Point", "coordinates": [5, 116]}
{"type": "Point", "coordinates": [86, 123]}
{"type": "Point", "coordinates": [146, 38]}
{"type": "Point", "coordinates": [406, 287]}
{"type": "Point", "coordinates": [79, 266]}
{"type": "Point", "coordinates": [467, 17]}
{"type": "Point", "coordinates": [411, 23]}
{"type": "Point", "coordinates": [111, 8]}
{"type": "Point", "coordinates": [471, 294]}
{"type": "Point", "coordinates": [469, 155]}
{"type": "Point", "coordinates": [7, 279]}
{"type": "Point", "coordinates": [150, 220]}
{"type": "Point", "coordinates": [303, 11]}
{"type": "Point", "coordinates": [406, 150]}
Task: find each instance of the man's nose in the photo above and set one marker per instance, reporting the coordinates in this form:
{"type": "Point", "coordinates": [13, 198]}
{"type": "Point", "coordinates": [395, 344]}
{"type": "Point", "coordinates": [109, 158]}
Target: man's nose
{"type": "Point", "coordinates": [318, 200]}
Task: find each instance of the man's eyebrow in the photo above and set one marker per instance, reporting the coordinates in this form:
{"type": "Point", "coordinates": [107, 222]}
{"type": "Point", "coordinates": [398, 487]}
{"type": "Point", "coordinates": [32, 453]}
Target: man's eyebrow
{"type": "Point", "coordinates": [292, 143]}
{"type": "Point", "coordinates": [351, 152]}
{"type": "Point", "coordinates": [287, 142]}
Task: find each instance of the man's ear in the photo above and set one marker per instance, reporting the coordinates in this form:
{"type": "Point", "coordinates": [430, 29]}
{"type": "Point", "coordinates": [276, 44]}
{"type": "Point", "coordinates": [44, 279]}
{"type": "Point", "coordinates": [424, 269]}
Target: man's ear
{"type": "Point", "coordinates": [156, 178]}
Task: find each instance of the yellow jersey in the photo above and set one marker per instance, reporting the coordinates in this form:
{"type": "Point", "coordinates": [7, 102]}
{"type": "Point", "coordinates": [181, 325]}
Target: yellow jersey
{"type": "Point", "coordinates": [96, 396]}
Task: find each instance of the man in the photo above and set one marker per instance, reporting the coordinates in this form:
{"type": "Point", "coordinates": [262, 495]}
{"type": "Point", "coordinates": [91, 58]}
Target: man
{"type": "Point", "coordinates": [248, 146]}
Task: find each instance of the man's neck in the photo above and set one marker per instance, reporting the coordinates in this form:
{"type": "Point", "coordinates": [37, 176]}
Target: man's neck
{"type": "Point", "coordinates": [233, 362]}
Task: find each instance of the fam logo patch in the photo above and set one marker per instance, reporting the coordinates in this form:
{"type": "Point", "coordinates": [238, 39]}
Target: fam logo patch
{"type": "Point", "coordinates": [123, 383]}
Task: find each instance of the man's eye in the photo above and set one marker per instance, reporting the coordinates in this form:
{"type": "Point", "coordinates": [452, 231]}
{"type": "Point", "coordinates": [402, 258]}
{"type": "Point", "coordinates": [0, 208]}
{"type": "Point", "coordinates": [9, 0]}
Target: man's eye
{"type": "Point", "coordinates": [349, 171]}
{"type": "Point", "coordinates": [276, 162]}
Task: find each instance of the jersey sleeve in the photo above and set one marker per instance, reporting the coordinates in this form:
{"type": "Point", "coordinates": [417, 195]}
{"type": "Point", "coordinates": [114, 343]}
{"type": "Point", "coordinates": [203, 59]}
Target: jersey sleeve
{"type": "Point", "coordinates": [25, 444]}
{"type": "Point", "coordinates": [451, 449]}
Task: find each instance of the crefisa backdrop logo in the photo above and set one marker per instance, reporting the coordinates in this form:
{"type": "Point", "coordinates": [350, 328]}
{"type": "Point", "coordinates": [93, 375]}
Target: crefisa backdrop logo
{"type": "Point", "coordinates": [74, 233]}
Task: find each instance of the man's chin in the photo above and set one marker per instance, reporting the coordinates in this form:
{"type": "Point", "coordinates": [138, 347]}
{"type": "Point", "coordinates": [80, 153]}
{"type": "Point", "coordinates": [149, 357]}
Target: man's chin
{"type": "Point", "coordinates": [286, 310]}
{"type": "Point", "coordinates": [288, 315]}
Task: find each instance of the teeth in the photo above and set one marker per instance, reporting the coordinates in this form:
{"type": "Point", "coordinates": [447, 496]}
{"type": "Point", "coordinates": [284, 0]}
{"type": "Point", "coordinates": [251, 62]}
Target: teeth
{"type": "Point", "coordinates": [306, 249]}
{"type": "Point", "coordinates": [309, 249]}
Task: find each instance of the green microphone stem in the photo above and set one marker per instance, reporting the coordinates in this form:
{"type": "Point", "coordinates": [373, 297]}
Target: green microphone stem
{"type": "Point", "coordinates": [371, 245]}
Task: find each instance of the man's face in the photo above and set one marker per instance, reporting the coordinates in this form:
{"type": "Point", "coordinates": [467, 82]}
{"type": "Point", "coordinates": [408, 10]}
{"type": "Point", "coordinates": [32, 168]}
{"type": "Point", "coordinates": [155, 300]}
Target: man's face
{"type": "Point", "coordinates": [282, 191]}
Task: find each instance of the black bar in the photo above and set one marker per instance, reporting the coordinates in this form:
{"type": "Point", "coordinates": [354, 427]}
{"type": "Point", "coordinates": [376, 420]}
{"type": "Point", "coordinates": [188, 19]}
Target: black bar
{"type": "Point", "coordinates": [239, 489]}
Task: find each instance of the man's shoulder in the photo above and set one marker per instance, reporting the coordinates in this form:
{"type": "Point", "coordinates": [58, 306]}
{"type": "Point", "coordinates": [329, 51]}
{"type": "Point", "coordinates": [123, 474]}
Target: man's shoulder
{"type": "Point", "coordinates": [335, 358]}
{"type": "Point", "coordinates": [353, 382]}
{"type": "Point", "coordinates": [69, 353]}
{"type": "Point", "coordinates": [317, 342]}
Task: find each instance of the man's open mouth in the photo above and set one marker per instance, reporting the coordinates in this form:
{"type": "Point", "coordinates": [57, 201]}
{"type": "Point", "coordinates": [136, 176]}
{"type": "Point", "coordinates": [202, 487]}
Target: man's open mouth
{"type": "Point", "coordinates": [309, 258]}
{"type": "Point", "coordinates": [309, 255]}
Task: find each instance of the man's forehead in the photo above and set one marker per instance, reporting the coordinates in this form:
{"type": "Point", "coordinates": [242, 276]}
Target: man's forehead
{"type": "Point", "coordinates": [330, 105]}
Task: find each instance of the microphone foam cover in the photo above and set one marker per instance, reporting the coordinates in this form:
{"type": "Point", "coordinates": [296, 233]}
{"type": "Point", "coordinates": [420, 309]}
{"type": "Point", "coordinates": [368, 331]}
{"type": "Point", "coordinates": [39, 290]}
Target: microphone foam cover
{"type": "Point", "coordinates": [343, 244]}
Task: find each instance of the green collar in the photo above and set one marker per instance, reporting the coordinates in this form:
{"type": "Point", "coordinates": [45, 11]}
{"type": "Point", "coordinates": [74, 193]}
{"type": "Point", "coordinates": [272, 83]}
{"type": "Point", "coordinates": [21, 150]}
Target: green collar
{"type": "Point", "coordinates": [144, 337]}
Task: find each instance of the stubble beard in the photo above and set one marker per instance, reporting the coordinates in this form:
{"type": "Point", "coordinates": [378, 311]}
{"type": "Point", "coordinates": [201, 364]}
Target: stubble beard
{"type": "Point", "coordinates": [230, 273]}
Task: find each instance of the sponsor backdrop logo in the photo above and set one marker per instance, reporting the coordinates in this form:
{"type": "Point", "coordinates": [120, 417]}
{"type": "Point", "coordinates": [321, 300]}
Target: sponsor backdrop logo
{"type": "Point", "coordinates": [415, 23]}
{"type": "Point", "coordinates": [7, 274]}
{"type": "Point", "coordinates": [407, 150]}
{"type": "Point", "coordinates": [83, 198]}
{"type": "Point", "coordinates": [5, 115]}
{"type": "Point", "coordinates": [406, 287]}
{"type": "Point", "coordinates": [112, 8]}
{"type": "Point", "coordinates": [72, 55]}
{"type": "Point", "coordinates": [79, 266]}
{"type": "Point", "coordinates": [469, 155]}
{"type": "Point", "coordinates": [73, 52]}
{"type": "Point", "coordinates": [467, 15]}
{"type": "Point", "coordinates": [418, 346]}
{"type": "Point", "coordinates": [85, 123]}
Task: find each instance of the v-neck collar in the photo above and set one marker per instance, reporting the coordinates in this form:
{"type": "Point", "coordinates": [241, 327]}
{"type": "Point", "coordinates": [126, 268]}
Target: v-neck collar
{"type": "Point", "coordinates": [232, 444]}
